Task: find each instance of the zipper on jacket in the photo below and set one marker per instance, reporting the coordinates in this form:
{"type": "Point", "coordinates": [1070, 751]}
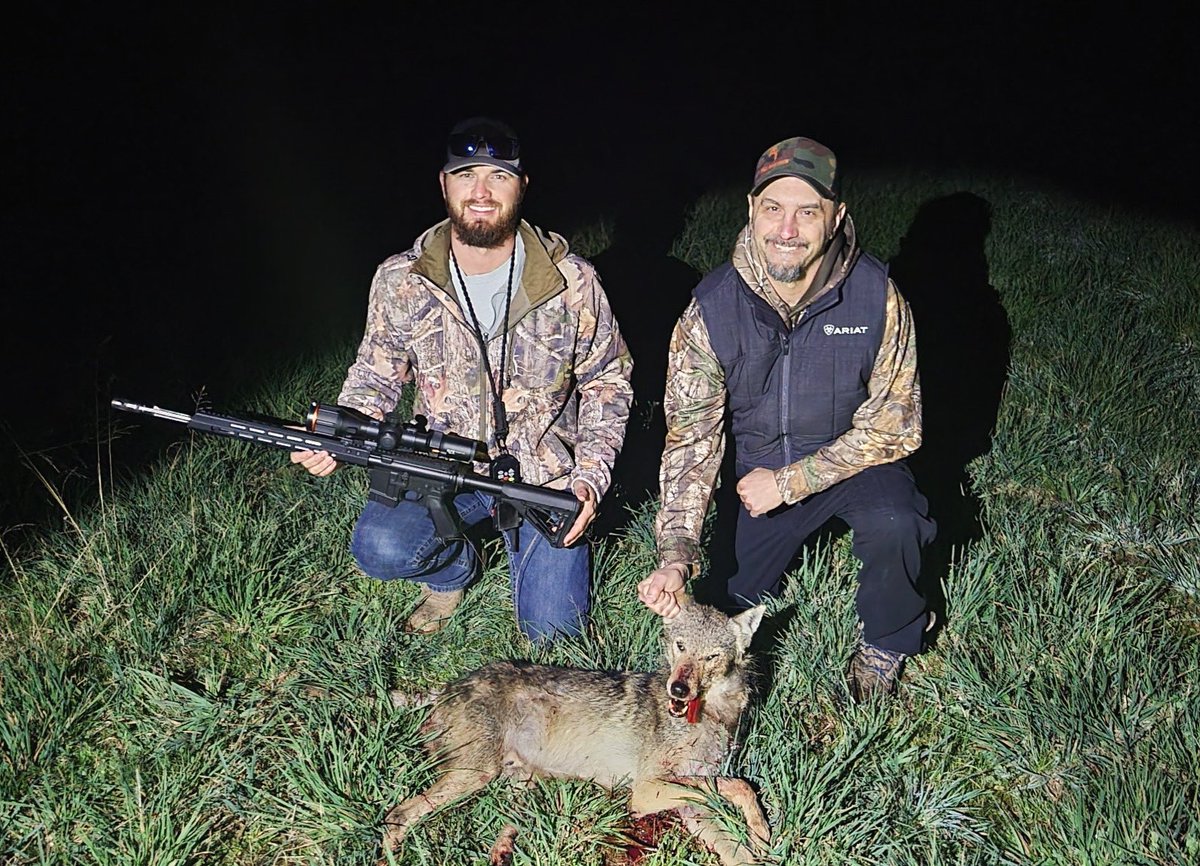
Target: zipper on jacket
{"type": "Point", "coordinates": [485, 404]}
{"type": "Point", "coordinates": [784, 402]}
{"type": "Point", "coordinates": [485, 409]}
{"type": "Point", "coordinates": [785, 341]}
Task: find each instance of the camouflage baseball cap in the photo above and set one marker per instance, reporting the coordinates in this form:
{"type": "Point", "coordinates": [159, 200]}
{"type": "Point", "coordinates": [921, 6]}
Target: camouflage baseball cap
{"type": "Point", "coordinates": [802, 158]}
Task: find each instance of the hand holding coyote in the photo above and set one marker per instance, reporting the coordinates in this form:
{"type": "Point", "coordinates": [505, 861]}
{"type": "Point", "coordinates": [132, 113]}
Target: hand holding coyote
{"type": "Point", "coordinates": [799, 352]}
{"type": "Point", "coordinates": [666, 735]}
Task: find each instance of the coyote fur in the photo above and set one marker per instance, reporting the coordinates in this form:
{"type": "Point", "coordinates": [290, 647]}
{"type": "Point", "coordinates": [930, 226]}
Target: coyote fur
{"type": "Point", "coordinates": [666, 735]}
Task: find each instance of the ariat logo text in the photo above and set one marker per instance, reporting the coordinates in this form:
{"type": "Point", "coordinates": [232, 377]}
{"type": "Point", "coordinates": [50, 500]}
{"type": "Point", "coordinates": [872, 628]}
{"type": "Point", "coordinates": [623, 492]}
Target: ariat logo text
{"type": "Point", "coordinates": [830, 330]}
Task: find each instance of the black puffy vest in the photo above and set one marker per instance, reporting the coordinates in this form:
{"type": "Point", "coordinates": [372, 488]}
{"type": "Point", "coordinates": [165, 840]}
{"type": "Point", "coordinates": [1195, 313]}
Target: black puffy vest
{"type": "Point", "coordinates": [792, 391]}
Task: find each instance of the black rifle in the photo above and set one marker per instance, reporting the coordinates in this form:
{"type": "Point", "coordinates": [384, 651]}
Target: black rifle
{"type": "Point", "coordinates": [399, 457]}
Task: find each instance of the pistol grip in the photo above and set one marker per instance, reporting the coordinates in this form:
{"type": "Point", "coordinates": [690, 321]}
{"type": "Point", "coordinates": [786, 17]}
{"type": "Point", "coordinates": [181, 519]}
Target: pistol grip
{"type": "Point", "coordinates": [444, 517]}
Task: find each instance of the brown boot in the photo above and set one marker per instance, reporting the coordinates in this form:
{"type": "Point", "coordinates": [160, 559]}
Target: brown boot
{"type": "Point", "coordinates": [874, 671]}
{"type": "Point", "coordinates": [433, 610]}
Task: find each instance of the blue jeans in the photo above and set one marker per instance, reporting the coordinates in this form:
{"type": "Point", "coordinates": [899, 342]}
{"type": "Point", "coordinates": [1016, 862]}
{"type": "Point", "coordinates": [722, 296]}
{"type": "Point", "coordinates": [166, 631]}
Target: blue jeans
{"type": "Point", "coordinates": [549, 584]}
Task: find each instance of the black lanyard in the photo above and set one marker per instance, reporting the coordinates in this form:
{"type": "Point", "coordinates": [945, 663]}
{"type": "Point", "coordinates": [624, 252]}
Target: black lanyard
{"type": "Point", "coordinates": [496, 386]}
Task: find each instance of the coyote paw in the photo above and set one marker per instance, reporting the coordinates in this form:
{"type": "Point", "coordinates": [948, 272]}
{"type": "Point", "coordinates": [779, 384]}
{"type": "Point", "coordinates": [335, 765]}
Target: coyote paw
{"type": "Point", "coordinates": [395, 828]}
{"type": "Point", "coordinates": [741, 794]}
{"type": "Point", "coordinates": [504, 846]}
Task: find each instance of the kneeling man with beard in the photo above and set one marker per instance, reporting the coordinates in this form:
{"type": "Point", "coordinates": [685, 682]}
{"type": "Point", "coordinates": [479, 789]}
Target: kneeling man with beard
{"type": "Point", "coordinates": [802, 349]}
{"type": "Point", "coordinates": [510, 339]}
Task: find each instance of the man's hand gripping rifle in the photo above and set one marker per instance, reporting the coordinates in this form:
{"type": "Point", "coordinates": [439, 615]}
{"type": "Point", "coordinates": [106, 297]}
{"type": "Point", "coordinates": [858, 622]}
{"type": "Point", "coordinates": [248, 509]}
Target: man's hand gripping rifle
{"type": "Point", "coordinates": [399, 457]}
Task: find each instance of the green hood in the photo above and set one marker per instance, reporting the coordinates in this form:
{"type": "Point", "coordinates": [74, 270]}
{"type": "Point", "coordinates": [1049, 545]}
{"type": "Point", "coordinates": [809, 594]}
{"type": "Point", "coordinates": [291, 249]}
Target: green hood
{"type": "Point", "coordinates": [540, 281]}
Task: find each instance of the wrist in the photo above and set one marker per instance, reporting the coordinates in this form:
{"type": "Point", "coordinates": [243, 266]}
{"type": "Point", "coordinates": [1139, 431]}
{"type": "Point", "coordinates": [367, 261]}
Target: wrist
{"type": "Point", "coordinates": [683, 569]}
{"type": "Point", "coordinates": [678, 550]}
{"type": "Point", "coordinates": [579, 483]}
{"type": "Point", "coordinates": [780, 477]}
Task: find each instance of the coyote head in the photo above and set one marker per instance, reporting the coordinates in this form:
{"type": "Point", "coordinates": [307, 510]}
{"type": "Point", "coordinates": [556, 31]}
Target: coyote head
{"type": "Point", "coordinates": [706, 652]}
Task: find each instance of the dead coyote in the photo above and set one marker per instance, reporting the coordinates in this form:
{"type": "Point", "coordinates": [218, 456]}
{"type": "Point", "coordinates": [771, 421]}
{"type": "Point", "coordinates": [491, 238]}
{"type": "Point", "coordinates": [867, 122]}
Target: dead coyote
{"type": "Point", "coordinates": [666, 734]}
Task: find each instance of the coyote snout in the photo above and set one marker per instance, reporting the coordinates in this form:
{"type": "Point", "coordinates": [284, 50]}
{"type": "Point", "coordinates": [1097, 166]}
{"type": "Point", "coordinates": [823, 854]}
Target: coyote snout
{"type": "Point", "coordinates": [665, 734]}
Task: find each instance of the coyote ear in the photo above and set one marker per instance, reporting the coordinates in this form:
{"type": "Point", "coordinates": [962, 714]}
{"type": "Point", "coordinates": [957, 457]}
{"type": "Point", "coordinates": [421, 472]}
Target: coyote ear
{"type": "Point", "coordinates": [745, 624]}
{"type": "Point", "coordinates": [683, 598]}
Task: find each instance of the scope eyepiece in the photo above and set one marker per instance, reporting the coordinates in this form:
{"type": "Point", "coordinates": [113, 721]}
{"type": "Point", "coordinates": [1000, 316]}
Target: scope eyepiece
{"type": "Point", "coordinates": [346, 423]}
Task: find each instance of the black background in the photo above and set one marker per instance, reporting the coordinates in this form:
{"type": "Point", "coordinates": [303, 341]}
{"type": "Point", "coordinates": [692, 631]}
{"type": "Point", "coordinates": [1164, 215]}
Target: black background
{"type": "Point", "coordinates": [192, 197]}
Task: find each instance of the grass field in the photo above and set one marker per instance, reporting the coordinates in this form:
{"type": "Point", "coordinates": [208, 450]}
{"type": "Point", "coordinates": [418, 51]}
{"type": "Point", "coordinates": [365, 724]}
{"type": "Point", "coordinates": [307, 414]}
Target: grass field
{"type": "Point", "coordinates": [158, 649]}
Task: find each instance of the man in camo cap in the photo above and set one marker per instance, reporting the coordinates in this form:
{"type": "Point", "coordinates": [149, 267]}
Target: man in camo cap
{"type": "Point", "coordinates": [811, 347]}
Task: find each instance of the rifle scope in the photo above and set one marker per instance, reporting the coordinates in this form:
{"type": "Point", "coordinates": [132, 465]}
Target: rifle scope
{"type": "Point", "coordinates": [343, 422]}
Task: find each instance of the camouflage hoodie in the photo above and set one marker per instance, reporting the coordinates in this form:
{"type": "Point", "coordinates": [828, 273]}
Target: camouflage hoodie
{"type": "Point", "coordinates": [563, 343]}
{"type": "Point", "coordinates": [886, 427]}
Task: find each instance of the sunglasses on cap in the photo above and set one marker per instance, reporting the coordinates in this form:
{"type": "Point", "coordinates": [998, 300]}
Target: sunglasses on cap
{"type": "Point", "coordinates": [475, 143]}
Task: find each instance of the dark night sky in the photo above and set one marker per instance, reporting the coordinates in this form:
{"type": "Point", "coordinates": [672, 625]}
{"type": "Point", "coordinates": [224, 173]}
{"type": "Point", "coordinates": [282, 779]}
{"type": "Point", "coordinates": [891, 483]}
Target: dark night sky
{"type": "Point", "coordinates": [192, 196]}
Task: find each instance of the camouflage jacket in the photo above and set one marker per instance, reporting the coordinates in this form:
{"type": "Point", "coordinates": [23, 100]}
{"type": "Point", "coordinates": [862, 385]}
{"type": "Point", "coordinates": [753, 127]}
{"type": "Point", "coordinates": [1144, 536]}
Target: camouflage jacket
{"type": "Point", "coordinates": [886, 427]}
{"type": "Point", "coordinates": [566, 375]}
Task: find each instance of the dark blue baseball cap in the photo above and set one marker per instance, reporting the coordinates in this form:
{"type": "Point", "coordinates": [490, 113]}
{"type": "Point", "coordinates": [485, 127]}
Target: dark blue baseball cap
{"type": "Point", "coordinates": [483, 141]}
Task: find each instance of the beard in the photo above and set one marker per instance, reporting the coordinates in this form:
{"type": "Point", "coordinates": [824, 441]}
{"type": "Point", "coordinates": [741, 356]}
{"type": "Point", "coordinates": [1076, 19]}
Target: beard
{"type": "Point", "coordinates": [794, 271]}
{"type": "Point", "coordinates": [476, 232]}
{"type": "Point", "coordinates": [787, 273]}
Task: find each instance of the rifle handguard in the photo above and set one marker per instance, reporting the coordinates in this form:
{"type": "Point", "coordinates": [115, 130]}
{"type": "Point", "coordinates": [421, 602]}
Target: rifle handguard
{"type": "Point", "coordinates": [433, 465]}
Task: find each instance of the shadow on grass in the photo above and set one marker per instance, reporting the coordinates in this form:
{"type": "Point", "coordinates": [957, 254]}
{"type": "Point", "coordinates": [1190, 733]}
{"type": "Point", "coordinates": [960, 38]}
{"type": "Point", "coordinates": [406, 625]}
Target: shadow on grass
{"type": "Point", "coordinates": [963, 339]}
{"type": "Point", "coordinates": [649, 290]}
{"type": "Point", "coordinates": [765, 649]}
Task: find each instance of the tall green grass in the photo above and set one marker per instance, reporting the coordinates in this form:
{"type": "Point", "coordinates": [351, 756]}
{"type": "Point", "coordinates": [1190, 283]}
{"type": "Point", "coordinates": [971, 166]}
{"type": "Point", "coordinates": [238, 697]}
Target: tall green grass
{"type": "Point", "coordinates": [192, 671]}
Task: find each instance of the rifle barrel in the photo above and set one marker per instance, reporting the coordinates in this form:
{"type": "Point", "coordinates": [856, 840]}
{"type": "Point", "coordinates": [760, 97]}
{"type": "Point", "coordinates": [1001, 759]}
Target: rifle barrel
{"type": "Point", "coordinates": [156, 411]}
{"type": "Point", "coordinates": [552, 512]}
